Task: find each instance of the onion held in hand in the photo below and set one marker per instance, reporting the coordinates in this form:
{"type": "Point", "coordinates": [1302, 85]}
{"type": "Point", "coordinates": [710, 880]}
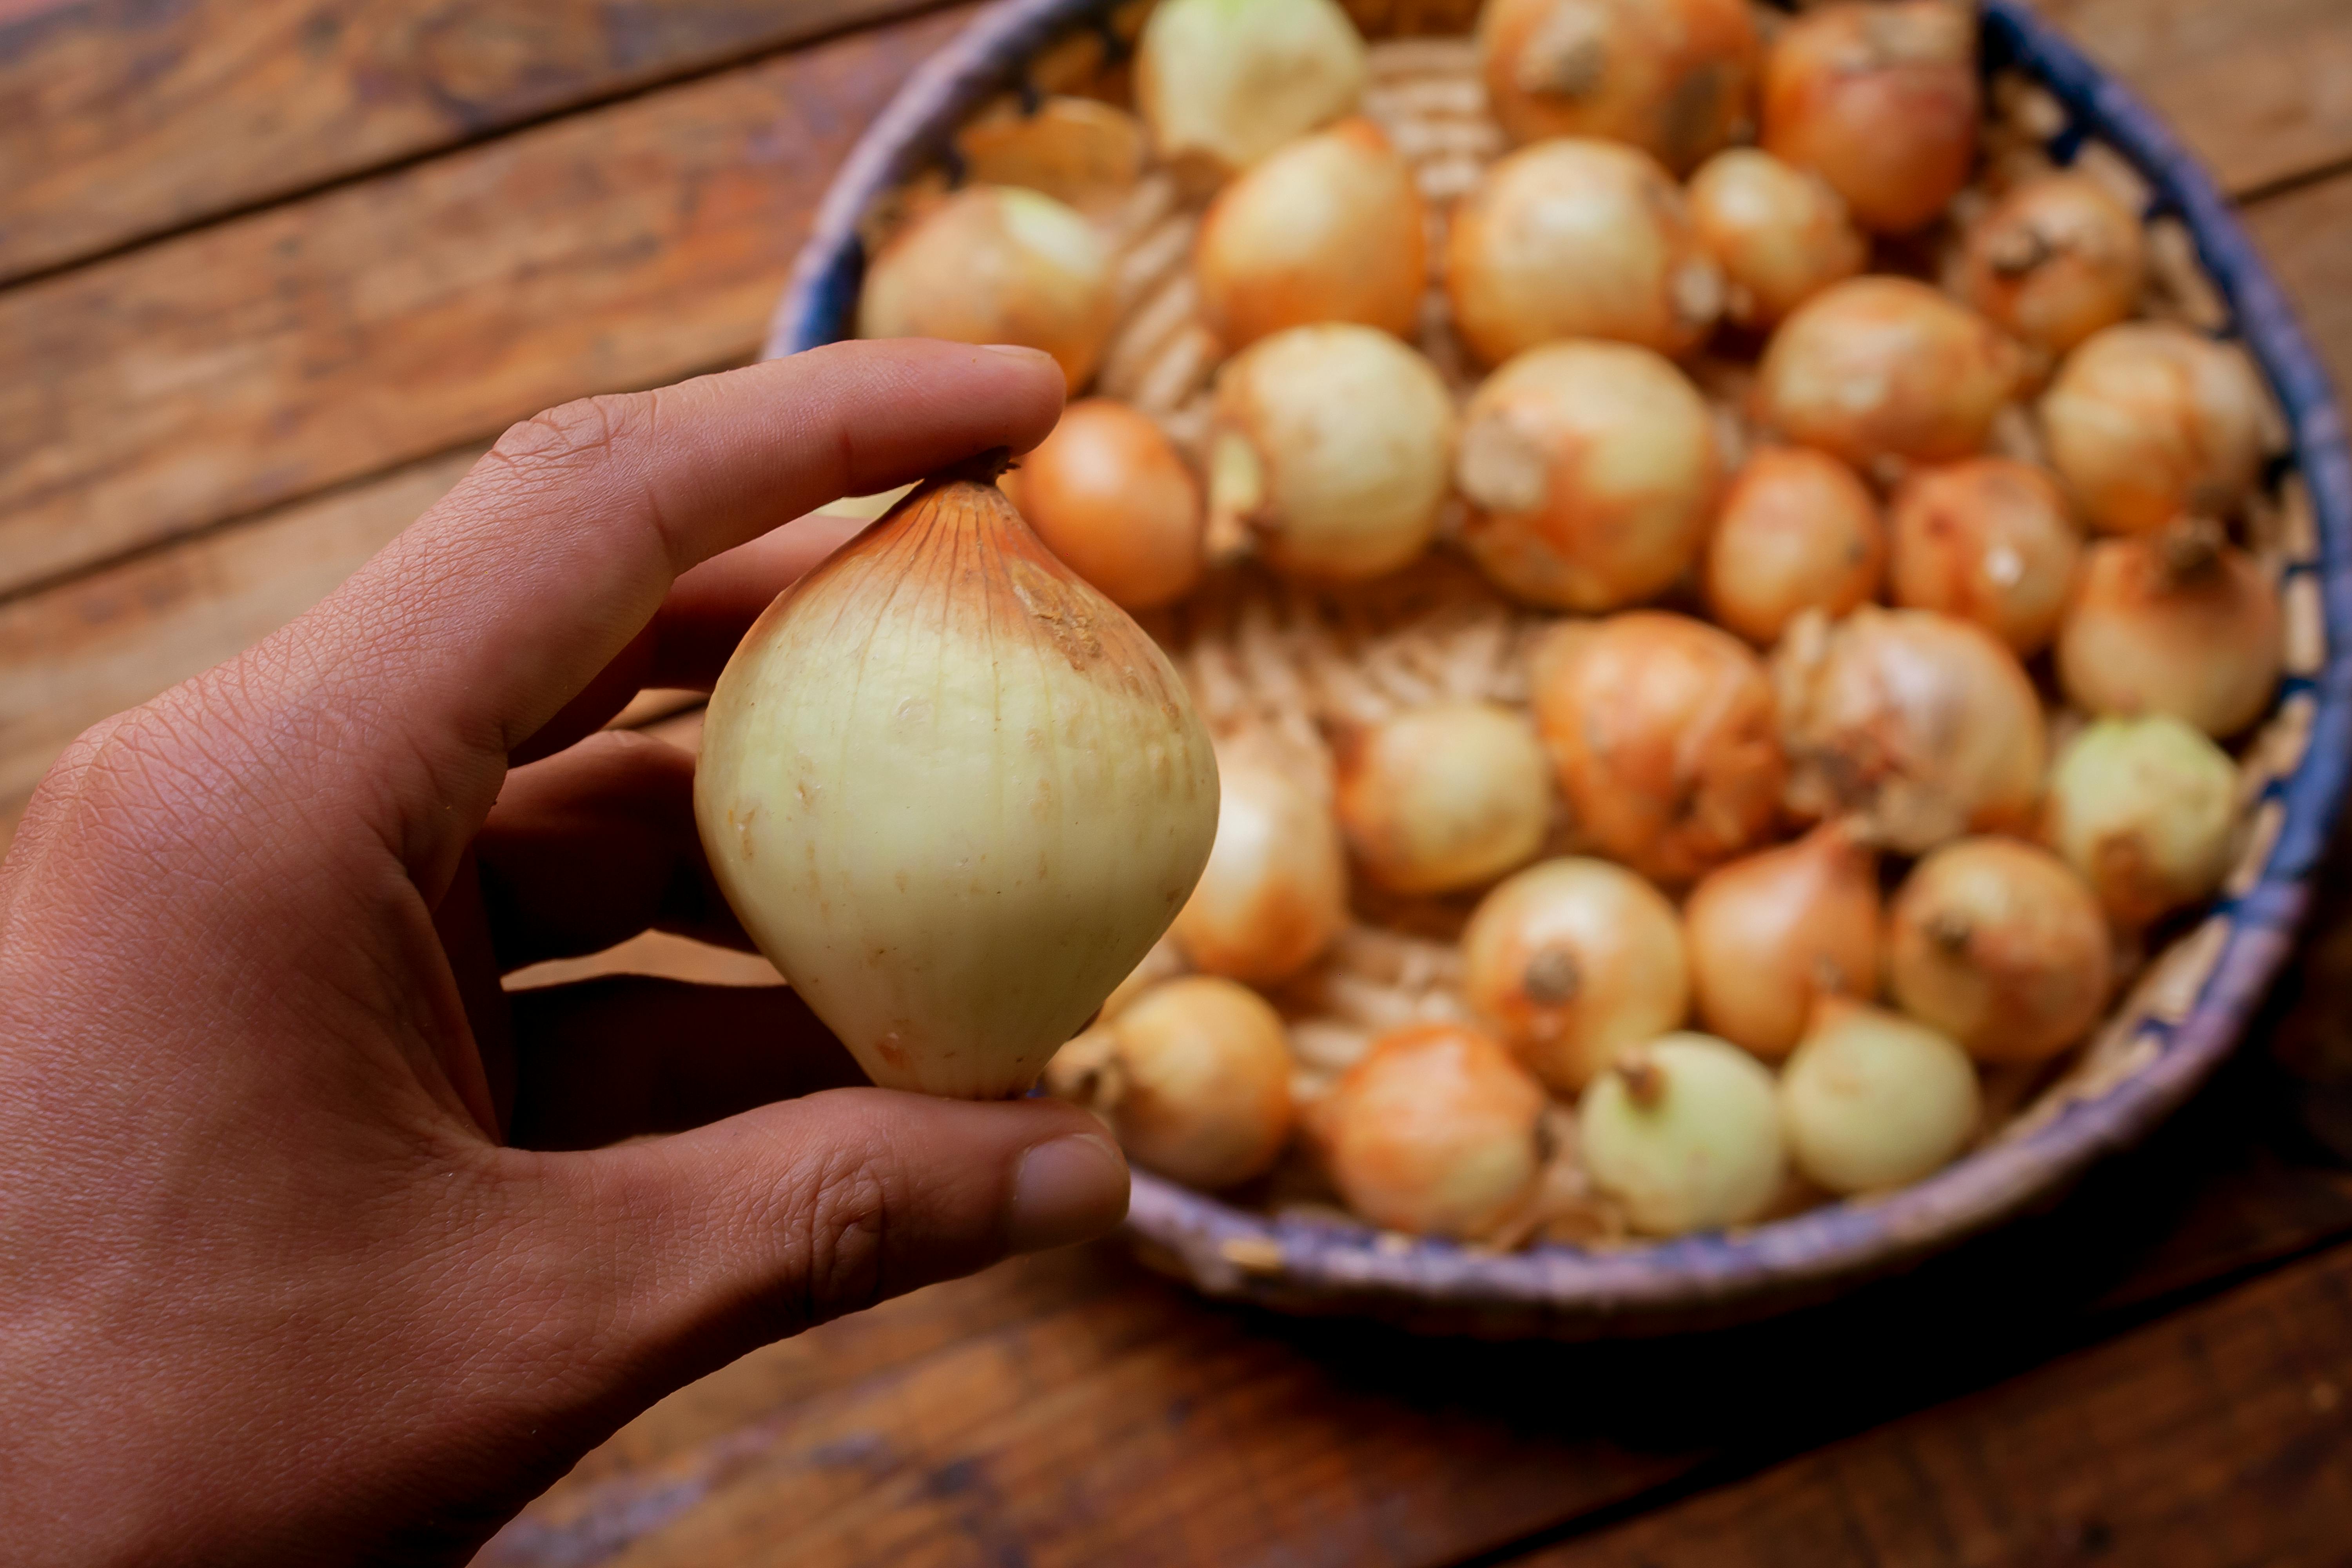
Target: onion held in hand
{"type": "Point", "coordinates": [1222, 83]}
{"type": "Point", "coordinates": [1108, 494]}
{"type": "Point", "coordinates": [2180, 623]}
{"type": "Point", "coordinates": [1872, 1101]}
{"type": "Point", "coordinates": [1797, 531]}
{"type": "Point", "coordinates": [1988, 540]}
{"type": "Point", "coordinates": [1773, 934]}
{"type": "Point", "coordinates": [954, 794]}
{"type": "Point", "coordinates": [2144, 809]}
{"type": "Point", "coordinates": [1779, 232]}
{"type": "Point", "coordinates": [1683, 1131]}
{"type": "Point", "coordinates": [1275, 893]}
{"type": "Point", "coordinates": [1672, 77]}
{"type": "Point", "coordinates": [1445, 796]}
{"type": "Point", "coordinates": [2056, 261]}
{"type": "Point", "coordinates": [2148, 420]}
{"type": "Point", "coordinates": [1433, 1133]}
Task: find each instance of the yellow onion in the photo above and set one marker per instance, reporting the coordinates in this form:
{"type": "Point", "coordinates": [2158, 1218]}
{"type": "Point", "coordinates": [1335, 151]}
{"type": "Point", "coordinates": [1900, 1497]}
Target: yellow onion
{"type": "Point", "coordinates": [1683, 1131]}
{"type": "Point", "coordinates": [1675, 77]}
{"type": "Point", "coordinates": [1923, 726]}
{"type": "Point", "coordinates": [1445, 796]}
{"type": "Point", "coordinates": [1779, 232]}
{"type": "Point", "coordinates": [2180, 623]}
{"type": "Point", "coordinates": [2002, 946]}
{"type": "Point", "coordinates": [1590, 468]}
{"type": "Point", "coordinates": [1223, 83]}
{"type": "Point", "coordinates": [1108, 494]}
{"type": "Point", "coordinates": [1989, 540]}
{"type": "Point", "coordinates": [1195, 1078]}
{"type": "Point", "coordinates": [1075, 150]}
{"type": "Point", "coordinates": [954, 794]}
{"type": "Point", "coordinates": [1877, 368]}
{"type": "Point", "coordinates": [1330, 452]}
{"type": "Point", "coordinates": [1433, 1133]}
{"type": "Point", "coordinates": [1661, 731]}
{"type": "Point", "coordinates": [1275, 893]}
{"type": "Point", "coordinates": [1797, 531]}
{"type": "Point", "coordinates": [1772, 935]}
{"type": "Point", "coordinates": [996, 265]}
{"type": "Point", "coordinates": [1882, 101]}
{"type": "Point", "coordinates": [1578, 239]}
{"type": "Point", "coordinates": [2054, 261]}
{"type": "Point", "coordinates": [1872, 1101]}
{"type": "Point", "coordinates": [2148, 420]}
{"type": "Point", "coordinates": [2143, 810]}
{"type": "Point", "coordinates": [1572, 961]}
{"type": "Point", "coordinates": [1328, 228]}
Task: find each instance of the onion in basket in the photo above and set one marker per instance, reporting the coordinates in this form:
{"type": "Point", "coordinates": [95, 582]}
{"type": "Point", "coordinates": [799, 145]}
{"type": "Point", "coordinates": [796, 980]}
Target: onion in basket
{"type": "Point", "coordinates": [1222, 83]}
{"type": "Point", "coordinates": [1108, 494]}
{"type": "Point", "coordinates": [1578, 239]}
{"type": "Point", "coordinates": [1779, 232]}
{"type": "Point", "coordinates": [2000, 945]}
{"type": "Point", "coordinates": [1590, 469]}
{"type": "Point", "coordinates": [993, 264]}
{"type": "Point", "coordinates": [1443, 797]}
{"type": "Point", "coordinates": [2181, 623]}
{"type": "Point", "coordinates": [1572, 961]}
{"type": "Point", "coordinates": [2054, 261]}
{"type": "Point", "coordinates": [1330, 452]}
{"type": "Point", "coordinates": [1433, 1133]}
{"type": "Point", "coordinates": [1988, 540]}
{"type": "Point", "coordinates": [2148, 420]}
{"type": "Point", "coordinates": [1774, 933]}
{"type": "Point", "coordinates": [1683, 1131]}
{"type": "Point", "coordinates": [2144, 809]}
{"type": "Point", "coordinates": [1673, 76]}
{"type": "Point", "coordinates": [1882, 101]}
{"type": "Point", "coordinates": [1661, 730]}
{"type": "Point", "coordinates": [1872, 1101]}
{"type": "Point", "coordinates": [1275, 891]}
{"type": "Point", "coordinates": [1797, 531]}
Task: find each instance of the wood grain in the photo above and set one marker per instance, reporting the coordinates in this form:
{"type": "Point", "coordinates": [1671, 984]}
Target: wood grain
{"type": "Point", "coordinates": [2306, 235]}
{"type": "Point", "coordinates": [120, 120]}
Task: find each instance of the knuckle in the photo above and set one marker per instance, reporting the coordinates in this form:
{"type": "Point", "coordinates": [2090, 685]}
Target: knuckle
{"type": "Point", "coordinates": [840, 1215]}
{"type": "Point", "coordinates": [572, 435]}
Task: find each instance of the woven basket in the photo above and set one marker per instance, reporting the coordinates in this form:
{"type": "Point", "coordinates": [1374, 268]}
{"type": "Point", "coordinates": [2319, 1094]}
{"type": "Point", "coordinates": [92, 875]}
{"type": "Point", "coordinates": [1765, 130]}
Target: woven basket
{"type": "Point", "coordinates": [1273, 658]}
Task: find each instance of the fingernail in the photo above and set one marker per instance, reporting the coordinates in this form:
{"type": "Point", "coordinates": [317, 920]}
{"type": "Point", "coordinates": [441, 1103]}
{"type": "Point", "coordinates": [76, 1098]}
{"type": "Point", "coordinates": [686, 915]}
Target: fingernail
{"type": "Point", "coordinates": [1064, 1191]}
{"type": "Point", "coordinates": [1016, 351]}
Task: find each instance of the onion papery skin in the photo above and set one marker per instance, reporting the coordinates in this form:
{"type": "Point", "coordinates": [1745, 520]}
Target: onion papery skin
{"type": "Point", "coordinates": [1590, 469]}
{"type": "Point", "coordinates": [2057, 259]}
{"type": "Point", "coordinates": [1328, 228]}
{"type": "Point", "coordinates": [1575, 238]}
{"type": "Point", "coordinates": [1882, 101]}
{"type": "Point", "coordinates": [1988, 540]}
{"type": "Point", "coordinates": [1275, 893]}
{"type": "Point", "coordinates": [1685, 1134]}
{"type": "Point", "coordinates": [1109, 494]}
{"type": "Point", "coordinates": [1663, 736]}
{"type": "Point", "coordinates": [1779, 232]}
{"type": "Point", "coordinates": [1443, 797]}
{"type": "Point", "coordinates": [996, 265]}
{"type": "Point", "coordinates": [2148, 420]}
{"type": "Point", "coordinates": [1675, 77]}
{"type": "Point", "coordinates": [2176, 623]}
{"type": "Point", "coordinates": [1573, 961]}
{"type": "Point", "coordinates": [1330, 451]}
{"type": "Point", "coordinates": [1883, 368]}
{"type": "Point", "coordinates": [1433, 1133]}
{"type": "Point", "coordinates": [954, 794]}
{"type": "Point", "coordinates": [1998, 945]}
{"type": "Point", "coordinates": [1223, 83]}
{"type": "Point", "coordinates": [1799, 531]}
{"type": "Point", "coordinates": [2144, 809]}
{"type": "Point", "coordinates": [1921, 726]}
{"type": "Point", "coordinates": [1872, 1101]}
{"type": "Point", "coordinates": [1773, 934]}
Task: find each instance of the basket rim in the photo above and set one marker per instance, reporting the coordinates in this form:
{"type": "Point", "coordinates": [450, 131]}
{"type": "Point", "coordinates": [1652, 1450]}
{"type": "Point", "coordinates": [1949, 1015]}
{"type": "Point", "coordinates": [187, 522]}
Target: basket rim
{"type": "Point", "coordinates": [1292, 1262]}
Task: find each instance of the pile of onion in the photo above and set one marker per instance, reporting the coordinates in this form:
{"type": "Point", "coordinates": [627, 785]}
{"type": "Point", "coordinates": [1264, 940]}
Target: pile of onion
{"type": "Point", "coordinates": [1685, 1132]}
{"type": "Point", "coordinates": [2144, 809]}
{"type": "Point", "coordinates": [1873, 1101]}
{"type": "Point", "coordinates": [1274, 891]}
{"type": "Point", "coordinates": [1772, 935]}
{"type": "Point", "coordinates": [2056, 261]}
{"type": "Point", "coordinates": [1433, 1133]}
{"type": "Point", "coordinates": [1222, 85]}
{"type": "Point", "coordinates": [1672, 77]}
{"type": "Point", "coordinates": [1799, 531]}
{"type": "Point", "coordinates": [1779, 232]}
{"type": "Point", "coordinates": [1443, 797]}
{"type": "Point", "coordinates": [2148, 420]}
{"type": "Point", "coordinates": [1988, 540]}
{"type": "Point", "coordinates": [1107, 493]}
{"type": "Point", "coordinates": [2180, 622]}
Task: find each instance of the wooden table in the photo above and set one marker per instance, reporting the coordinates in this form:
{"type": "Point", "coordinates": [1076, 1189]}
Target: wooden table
{"type": "Point", "coordinates": [272, 273]}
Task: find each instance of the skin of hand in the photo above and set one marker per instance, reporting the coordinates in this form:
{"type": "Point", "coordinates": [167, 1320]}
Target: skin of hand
{"type": "Point", "coordinates": [315, 1244]}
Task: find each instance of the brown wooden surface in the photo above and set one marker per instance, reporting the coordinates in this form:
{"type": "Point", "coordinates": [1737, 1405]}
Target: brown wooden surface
{"type": "Point", "coordinates": [205, 428]}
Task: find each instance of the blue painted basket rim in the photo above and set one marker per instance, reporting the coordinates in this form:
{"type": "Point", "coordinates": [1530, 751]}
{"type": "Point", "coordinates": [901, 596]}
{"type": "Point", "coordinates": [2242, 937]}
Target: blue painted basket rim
{"type": "Point", "coordinates": [1294, 1261]}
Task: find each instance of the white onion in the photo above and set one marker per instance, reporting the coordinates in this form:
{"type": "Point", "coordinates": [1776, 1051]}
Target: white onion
{"type": "Point", "coordinates": [1673, 76]}
{"type": "Point", "coordinates": [1108, 494]}
{"type": "Point", "coordinates": [1590, 468]}
{"type": "Point", "coordinates": [996, 265]}
{"type": "Point", "coordinates": [2143, 810]}
{"type": "Point", "coordinates": [1433, 1133]}
{"type": "Point", "coordinates": [1330, 450]}
{"type": "Point", "coordinates": [1223, 84]}
{"type": "Point", "coordinates": [1685, 1134]}
{"type": "Point", "coordinates": [1878, 368]}
{"type": "Point", "coordinates": [1797, 531]}
{"type": "Point", "coordinates": [1872, 1101]}
{"type": "Point", "coordinates": [1779, 232]}
{"type": "Point", "coordinates": [1445, 796]}
{"type": "Point", "coordinates": [1275, 891]}
{"type": "Point", "coordinates": [1882, 101]}
{"type": "Point", "coordinates": [952, 852]}
{"type": "Point", "coordinates": [2002, 946]}
{"type": "Point", "coordinates": [1572, 961]}
{"type": "Point", "coordinates": [2054, 261]}
{"type": "Point", "coordinates": [1661, 731]}
{"type": "Point", "coordinates": [1988, 540]}
{"type": "Point", "coordinates": [1328, 228]}
{"type": "Point", "coordinates": [1772, 934]}
{"type": "Point", "coordinates": [1923, 726]}
{"type": "Point", "coordinates": [2180, 623]}
{"type": "Point", "coordinates": [2148, 420]}
{"type": "Point", "coordinates": [1578, 239]}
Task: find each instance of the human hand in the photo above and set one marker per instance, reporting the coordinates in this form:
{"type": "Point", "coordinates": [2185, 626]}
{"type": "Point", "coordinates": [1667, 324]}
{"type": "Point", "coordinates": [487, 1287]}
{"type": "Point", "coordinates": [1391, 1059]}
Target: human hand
{"type": "Point", "coordinates": [315, 1245]}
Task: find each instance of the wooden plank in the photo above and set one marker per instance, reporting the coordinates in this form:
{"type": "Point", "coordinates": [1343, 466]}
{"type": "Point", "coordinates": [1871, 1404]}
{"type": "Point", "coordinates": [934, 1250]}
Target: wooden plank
{"type": "Point", "coordinates": [255, 362]}
{"type": "Point", "coordinates": [121, 121]}
{"type": "Point", "coordinates": [2306, 236]}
